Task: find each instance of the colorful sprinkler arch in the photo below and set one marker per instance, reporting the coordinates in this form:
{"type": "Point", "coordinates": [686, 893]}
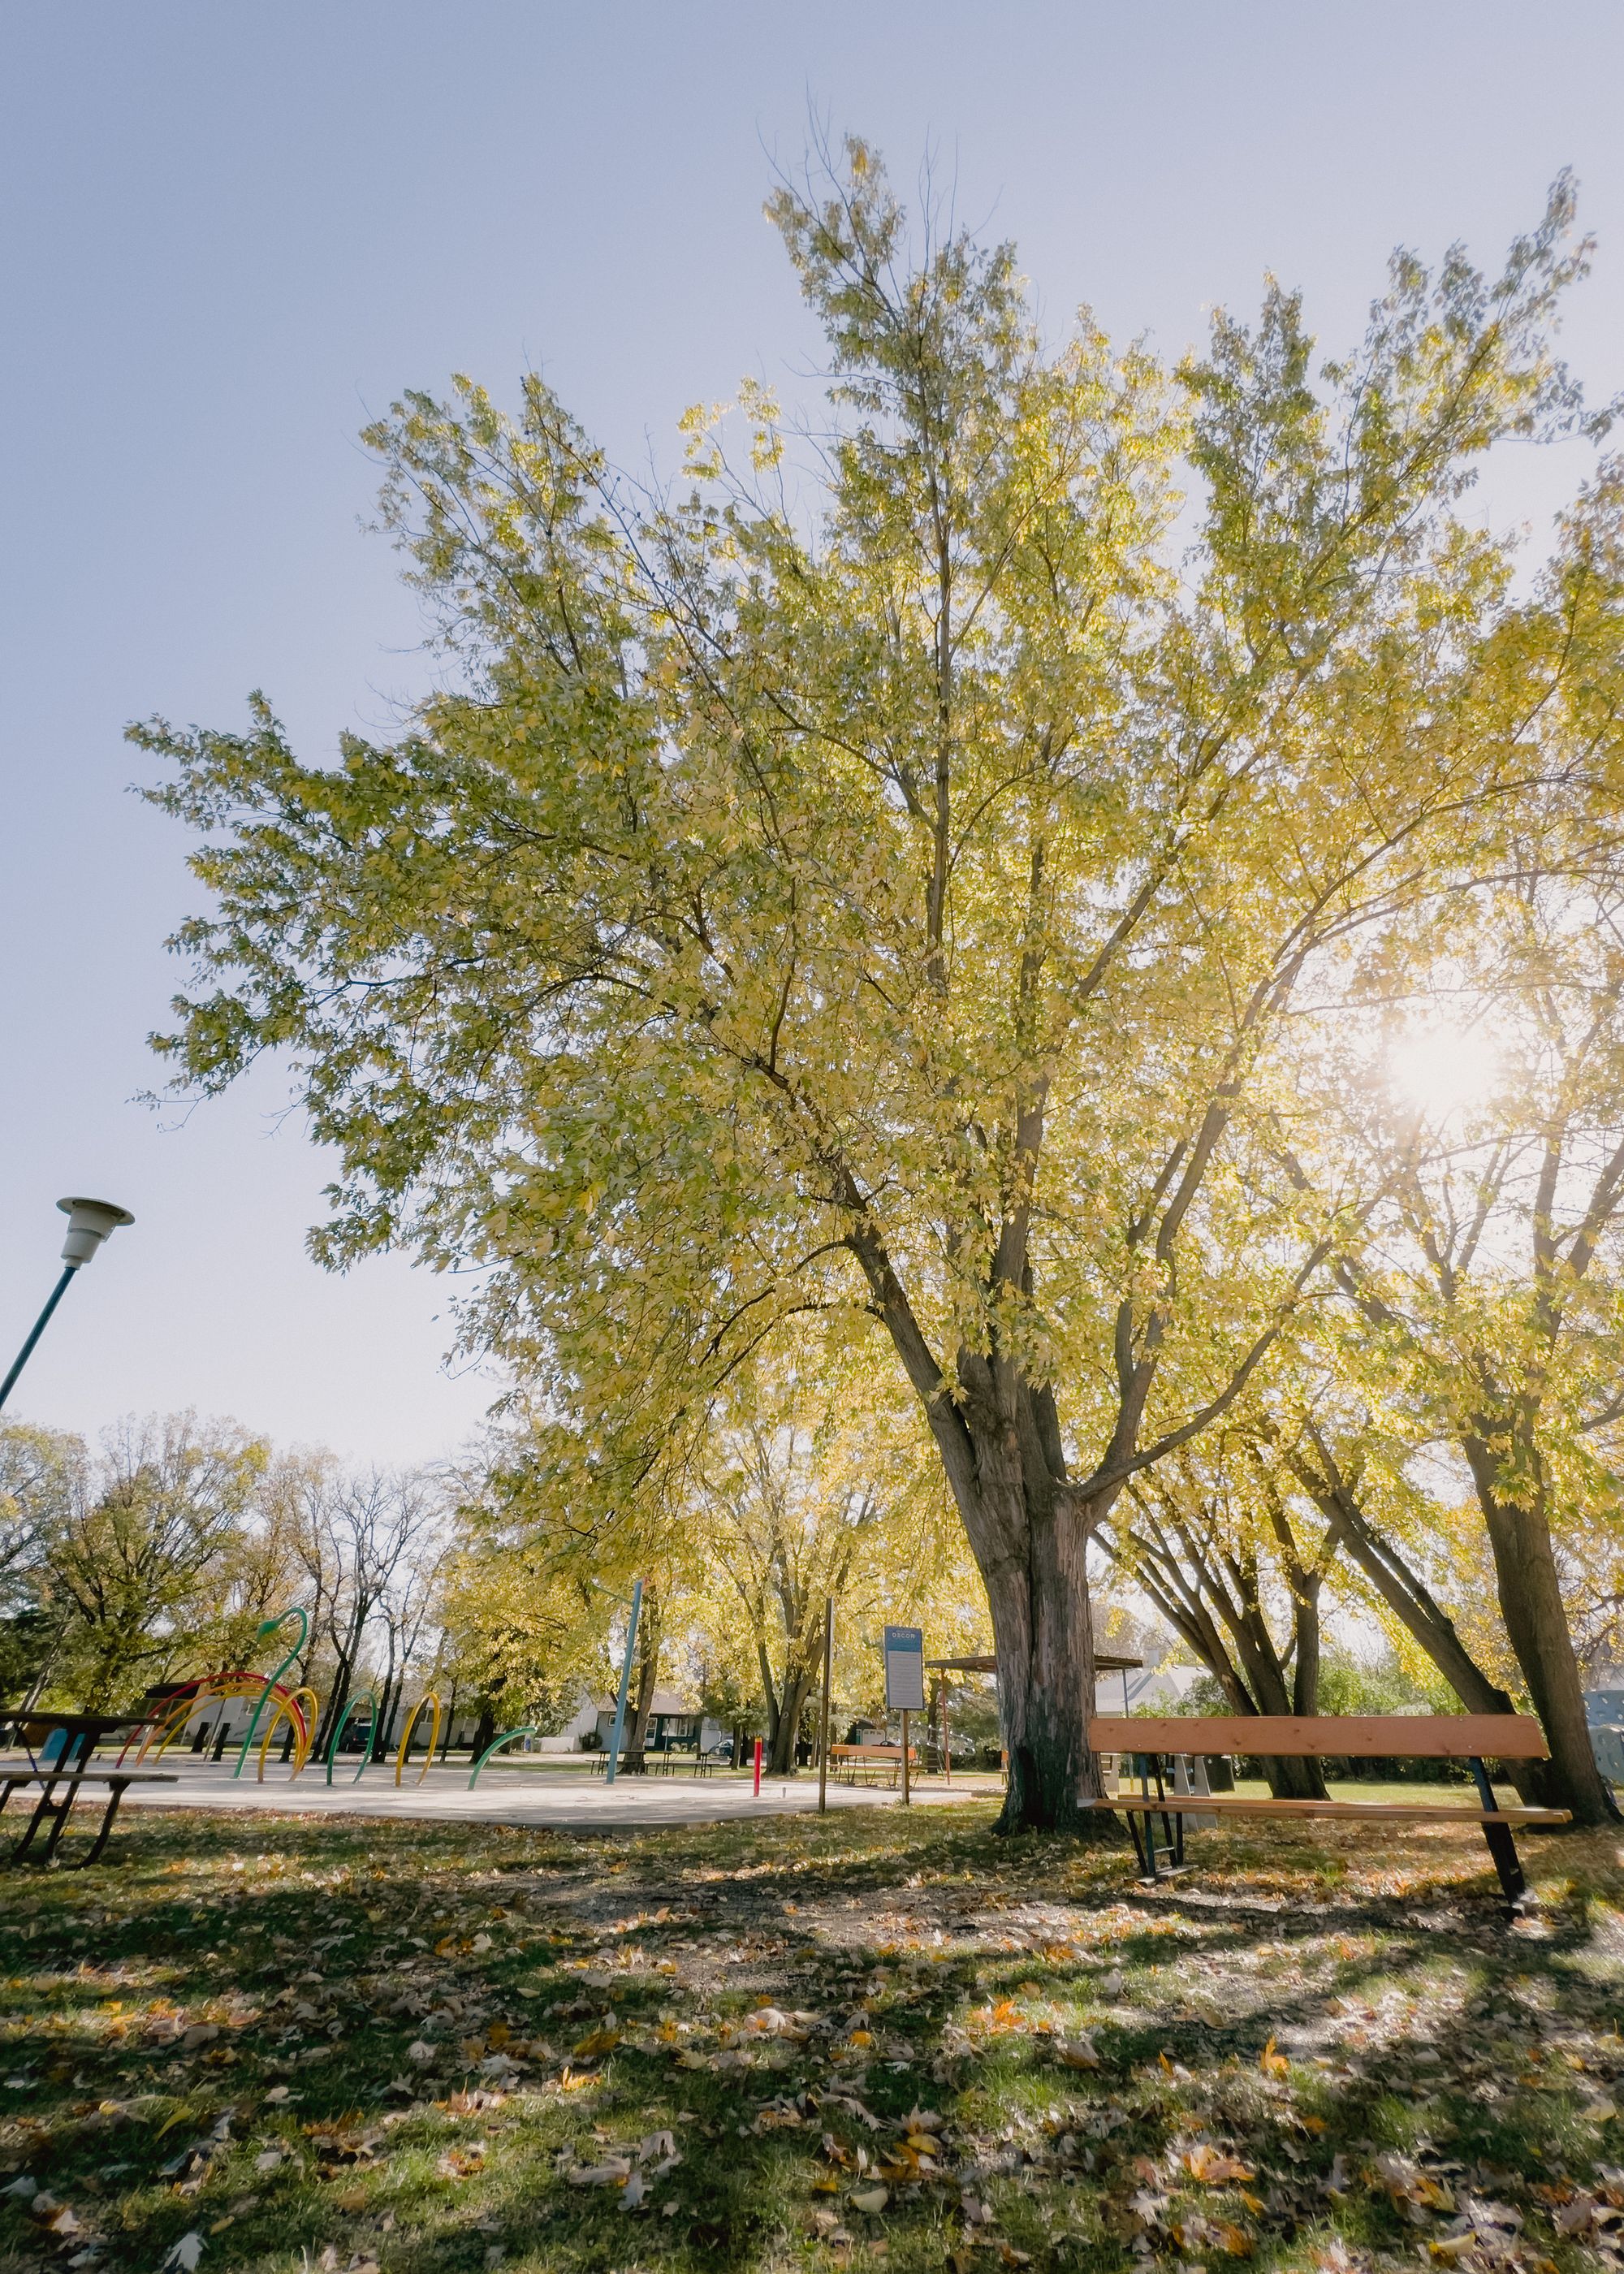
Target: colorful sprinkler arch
{"type": "Point", "coordinates": [288, 1709]}
{"type": "Point", "coordinates": [525, 1729]}
{"type": "Point", "coordinates": [411, 1722]}
{"type": "Point", "coordinates": [240, 1682]}
{"type": "Point", "coordinates": [360, 1697]}
{"type": "Point", "coordinates": [273, 1681]}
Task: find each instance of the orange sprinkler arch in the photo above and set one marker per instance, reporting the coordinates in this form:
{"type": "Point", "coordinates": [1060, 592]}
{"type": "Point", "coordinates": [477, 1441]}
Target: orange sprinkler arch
{"type": "Point", "coordinates": [432, 1699]}
{"type": "Point", "coordinates": [291, 1710]}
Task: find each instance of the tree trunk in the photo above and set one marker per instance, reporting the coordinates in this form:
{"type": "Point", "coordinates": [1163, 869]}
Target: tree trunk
{"type": "Point", "coordinates": [1423, 1618]}
{"type": "Point", "coordinates": [643, 1707]}
{"type": "Point", "coordinates": [1002, 1454]}
{"type": "Point", "coordinates": [786, 1728]}
{"type": "Point", "coordinates": [1531, 1603]}
{"type": "Point", "coordinates": [1035, 1567]}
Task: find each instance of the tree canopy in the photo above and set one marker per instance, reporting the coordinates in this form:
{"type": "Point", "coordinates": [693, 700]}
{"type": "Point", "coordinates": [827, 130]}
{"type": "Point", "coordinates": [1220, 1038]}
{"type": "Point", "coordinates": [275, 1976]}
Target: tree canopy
{"type": "Point", "coordinates": [938, 870]}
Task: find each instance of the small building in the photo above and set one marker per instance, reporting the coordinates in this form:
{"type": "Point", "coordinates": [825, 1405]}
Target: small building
{"type": "Point", "coordinates": [673, 1723]}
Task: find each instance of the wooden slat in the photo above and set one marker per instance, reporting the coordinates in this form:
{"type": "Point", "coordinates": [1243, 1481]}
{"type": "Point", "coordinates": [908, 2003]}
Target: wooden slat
{"type": "Point", "coordinates": [1232, 1803]}
{"type": "Point", "coordinates": [21, 1773]}
{"type": "Point", "coordinates": [1417, 1736]}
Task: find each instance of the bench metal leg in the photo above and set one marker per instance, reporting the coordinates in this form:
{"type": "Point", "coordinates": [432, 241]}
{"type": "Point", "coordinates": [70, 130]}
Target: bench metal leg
{"type": "Point", "coordinates": [1502, 1847]}
{"type": "Point", "coordinates": [1150, 1857]}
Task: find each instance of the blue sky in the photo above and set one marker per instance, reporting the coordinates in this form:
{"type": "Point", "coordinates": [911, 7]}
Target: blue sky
{"type": "Point", "coordinates": [229, 233]}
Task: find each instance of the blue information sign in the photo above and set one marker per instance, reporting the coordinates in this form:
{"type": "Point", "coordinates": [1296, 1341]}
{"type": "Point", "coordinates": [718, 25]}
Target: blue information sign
{"type": "Point", "coordinates": [905, 1669]}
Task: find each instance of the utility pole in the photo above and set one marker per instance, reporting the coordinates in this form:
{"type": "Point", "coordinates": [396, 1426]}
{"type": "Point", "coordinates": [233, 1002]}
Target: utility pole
{"type": "Point", "coordinates": [626, 1675]}
{"type": "Point", "coordinates": [822, 1748]}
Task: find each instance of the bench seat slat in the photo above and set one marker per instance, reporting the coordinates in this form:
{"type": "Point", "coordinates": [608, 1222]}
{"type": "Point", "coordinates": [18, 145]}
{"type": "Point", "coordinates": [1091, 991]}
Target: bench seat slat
{"type": "Point", "coordinates": [1415, 1736]}
{"type": "Point", "coordinates": [1229, 1804]}
{"type": "Point", "coordinates": [20, 1773]}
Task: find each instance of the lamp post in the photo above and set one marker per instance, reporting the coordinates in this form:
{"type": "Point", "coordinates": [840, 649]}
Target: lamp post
{"type": "Point", "coordinates": [89, 1224]}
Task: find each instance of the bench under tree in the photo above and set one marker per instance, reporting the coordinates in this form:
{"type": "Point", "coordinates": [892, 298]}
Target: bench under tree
{"type": "Point", "coordinates": [1474, 1738]}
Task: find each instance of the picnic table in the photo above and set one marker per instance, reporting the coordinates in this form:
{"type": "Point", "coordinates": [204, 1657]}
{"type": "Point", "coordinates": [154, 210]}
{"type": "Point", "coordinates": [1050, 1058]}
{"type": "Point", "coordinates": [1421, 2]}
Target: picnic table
{"type": "Point", "coordinates": [62, 1778]}
{"type": "Point", "coordinates": [849, 1762]}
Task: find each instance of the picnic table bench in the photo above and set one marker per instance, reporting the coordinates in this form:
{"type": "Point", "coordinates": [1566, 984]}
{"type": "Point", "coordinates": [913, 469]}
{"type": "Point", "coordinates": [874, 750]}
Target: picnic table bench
{"type": "Point", "coordinates": [60, 1788]}
{"type": "Point", "coordinates": [1471, 1737]}
{"type": "Point", "coordinates": [849, 1762]}
{"type": "Point", "coordinates": [59, 1749]}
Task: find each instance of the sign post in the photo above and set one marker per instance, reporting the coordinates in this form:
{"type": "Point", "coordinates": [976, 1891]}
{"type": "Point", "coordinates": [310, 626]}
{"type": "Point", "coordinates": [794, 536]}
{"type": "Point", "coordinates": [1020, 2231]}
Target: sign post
{"type": "Point", "coordinates": [905, 1685]}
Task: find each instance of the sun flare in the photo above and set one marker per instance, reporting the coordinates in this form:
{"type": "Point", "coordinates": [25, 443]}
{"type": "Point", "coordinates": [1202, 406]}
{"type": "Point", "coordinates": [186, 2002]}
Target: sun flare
{"type": "Point", "coordinates": [1441, 1071]}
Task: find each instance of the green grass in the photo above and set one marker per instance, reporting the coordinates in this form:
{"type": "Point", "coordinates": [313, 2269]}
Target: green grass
{"type": "Point", "coordinates": [1318, 2049]}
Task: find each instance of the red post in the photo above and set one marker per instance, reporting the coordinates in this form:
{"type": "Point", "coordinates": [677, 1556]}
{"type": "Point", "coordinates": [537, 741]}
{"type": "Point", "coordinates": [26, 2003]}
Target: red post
{"type": "Point", "coordinates": [757, 1792]}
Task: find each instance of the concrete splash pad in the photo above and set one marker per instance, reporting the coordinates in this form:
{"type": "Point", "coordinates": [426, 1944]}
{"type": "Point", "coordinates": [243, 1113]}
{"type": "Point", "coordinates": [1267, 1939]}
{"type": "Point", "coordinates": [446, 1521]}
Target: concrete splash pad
{"type": "Point", "coordinates": [563, 1800]}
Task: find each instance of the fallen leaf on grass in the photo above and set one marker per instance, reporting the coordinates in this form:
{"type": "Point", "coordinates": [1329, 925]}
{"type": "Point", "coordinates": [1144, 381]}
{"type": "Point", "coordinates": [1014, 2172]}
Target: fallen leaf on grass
{"type": "Point", "coordinates": [599, 2041]}
{"type": "Point", "coordinates": [613, 2173]}
{"type": "Point", "coordinates": [1078, 2052]}
{"type": "Point", "coordinates": [182, 2256]}
{"type": "Point", "coordinates": [871, 2199]}
{"type": "Point", "coordinates": [1271, 2063]}
{"type": "Point", "coordinates": [1213, 2168]}
{"type": "Point", "coordinates": [1406, 2183]}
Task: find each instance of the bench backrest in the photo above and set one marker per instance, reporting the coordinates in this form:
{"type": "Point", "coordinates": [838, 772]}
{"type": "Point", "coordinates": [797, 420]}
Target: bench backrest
{"type": "Point", "coordinates": [872, 1752]}
{"type": "Point", "coordinates": [1417, 1736]}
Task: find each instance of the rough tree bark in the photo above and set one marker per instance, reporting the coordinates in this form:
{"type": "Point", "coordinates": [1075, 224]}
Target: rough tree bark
{"type": "Point", "coordinates": [1412, 1603]}
{"type": "Point", "coordinates": [650, 1634]}
{"type": "Point", "coordinates": [1531, 1603]}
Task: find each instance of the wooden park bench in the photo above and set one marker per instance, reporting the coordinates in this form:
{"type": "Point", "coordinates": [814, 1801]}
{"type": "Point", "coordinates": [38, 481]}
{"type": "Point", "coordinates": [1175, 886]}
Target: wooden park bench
{"type": "Point", "coordinates": [1471, 1737]}
{"type": "Point", "coordinates": [60, 1788]}
{"type": "Point", "coordinates": [849, 1762]}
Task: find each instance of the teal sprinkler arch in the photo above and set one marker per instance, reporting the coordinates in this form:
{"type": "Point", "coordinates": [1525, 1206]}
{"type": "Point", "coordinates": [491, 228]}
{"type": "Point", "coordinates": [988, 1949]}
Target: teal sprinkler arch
{"type": "Point", "coordinates": [270, 1627]}
{"type": "Point", "coordinates": [362, 1697]}
{"type": "Point", "coordinates": [527, 1729]}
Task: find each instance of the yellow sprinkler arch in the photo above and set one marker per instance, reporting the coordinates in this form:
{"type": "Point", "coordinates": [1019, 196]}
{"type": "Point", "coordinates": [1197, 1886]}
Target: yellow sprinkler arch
{"type": "Point", "coordinates": [303, 1725]}
{"type": "Point", "coordinates": [433, 1698]}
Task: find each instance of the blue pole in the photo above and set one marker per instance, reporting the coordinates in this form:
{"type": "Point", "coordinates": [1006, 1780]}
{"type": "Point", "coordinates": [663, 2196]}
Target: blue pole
{"type": "Point", "coordinates": [40, 1325]}
{"type": "Point", "coordinates": [626, 1675]}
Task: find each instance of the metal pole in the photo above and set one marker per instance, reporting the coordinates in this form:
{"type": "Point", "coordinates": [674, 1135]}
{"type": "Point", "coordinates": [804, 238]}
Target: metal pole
{"type": "Point", "coordinates": [40, 1325]}
{"type": "Point", "coordinates": [906, 1800]}
{"type": "Point", "coordinates": [626, 1675]}
{"type": "Point", "coordinates": [822, 1748]}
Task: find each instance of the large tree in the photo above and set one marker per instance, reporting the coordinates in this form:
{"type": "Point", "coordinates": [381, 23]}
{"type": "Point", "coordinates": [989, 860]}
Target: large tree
{"type": "Point", "coordinates": [879, 880]}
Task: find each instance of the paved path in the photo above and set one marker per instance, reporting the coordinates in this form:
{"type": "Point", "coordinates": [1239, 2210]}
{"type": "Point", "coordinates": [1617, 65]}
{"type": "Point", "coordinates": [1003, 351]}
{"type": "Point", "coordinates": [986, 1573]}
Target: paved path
{"type": "Point", "coordinates": [564, 1799]}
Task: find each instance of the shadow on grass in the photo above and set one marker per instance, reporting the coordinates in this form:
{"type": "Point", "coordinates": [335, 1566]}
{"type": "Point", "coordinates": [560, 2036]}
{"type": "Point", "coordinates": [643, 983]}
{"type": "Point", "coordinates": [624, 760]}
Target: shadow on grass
{"type": "Point", "coordinates": [340, 2042]}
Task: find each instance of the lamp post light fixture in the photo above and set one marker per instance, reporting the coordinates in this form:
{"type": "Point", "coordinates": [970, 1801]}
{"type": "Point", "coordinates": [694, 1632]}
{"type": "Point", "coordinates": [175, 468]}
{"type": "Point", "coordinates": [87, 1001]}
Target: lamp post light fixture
{"type": "Point", "coordinates": [89, 1224]}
